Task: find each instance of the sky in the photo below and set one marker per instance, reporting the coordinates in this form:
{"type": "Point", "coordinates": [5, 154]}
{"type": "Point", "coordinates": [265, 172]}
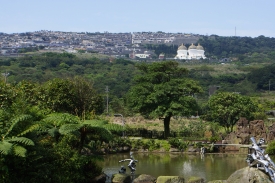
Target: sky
{"type": "Point", "coordinates": [245, 18]}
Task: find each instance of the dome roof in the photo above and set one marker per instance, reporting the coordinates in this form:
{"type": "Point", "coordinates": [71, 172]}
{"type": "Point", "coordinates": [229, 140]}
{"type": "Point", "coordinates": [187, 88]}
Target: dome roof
{"type": "Point", "coordinates": [192, 46]}
{"type": "Point", "coordinates": [182, 47]}
{"type": "Point", "coordinates": [199, 47]}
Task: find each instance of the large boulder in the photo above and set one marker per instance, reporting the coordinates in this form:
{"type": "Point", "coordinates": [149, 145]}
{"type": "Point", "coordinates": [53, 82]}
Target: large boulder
{"type": "Point", "coordinates": [121, 178]}
{"type": "Point", "coordinates": [144, 178]}
{"type": "Point", "coordinates": [170, 179]}
{"type": "Point", "coordinates": [246, 175]}
{"type": "Point", "coordinates": [249, 175]}
{"type": "Point", "coordinates": [100, 179]}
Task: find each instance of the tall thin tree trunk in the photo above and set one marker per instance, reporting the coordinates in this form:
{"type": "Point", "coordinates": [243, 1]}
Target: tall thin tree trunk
{"type": "Point", "coordinates": [166, 122]}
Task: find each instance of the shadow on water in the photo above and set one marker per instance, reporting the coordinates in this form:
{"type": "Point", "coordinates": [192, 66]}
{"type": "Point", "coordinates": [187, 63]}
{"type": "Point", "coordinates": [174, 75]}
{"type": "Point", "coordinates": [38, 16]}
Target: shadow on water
{"type": "Point", "coordinates": [208, 166]}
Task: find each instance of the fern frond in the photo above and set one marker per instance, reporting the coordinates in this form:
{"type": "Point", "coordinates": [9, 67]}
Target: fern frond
{"type": "Point", "coordinates": [35, 127]}
{"type": "Point", "coordinates": [58, 119]}
{"type": "Point", "coordinates": [19, 151]}
{"type": "Point", "coordinates": [114, 127]}
{"type": "Point", "coordinates": [16, 120]}
{"type": "Point", "coordinates": [99, 123]}
{"type": "Point", "coordinates": [53, 132]}
{"type": "Point", "coordinates": [104, 133]}
{"type": "Point", "coordinates": [69, 128]}
{"type": "Point", "coordinates": [22, 140]}
{"type": "Point", "coordinates": [5, 147]}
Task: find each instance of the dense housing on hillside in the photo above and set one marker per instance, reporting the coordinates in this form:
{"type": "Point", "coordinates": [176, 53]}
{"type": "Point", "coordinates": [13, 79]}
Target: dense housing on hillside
{"type": "Point", "coordinates": [112, 44]}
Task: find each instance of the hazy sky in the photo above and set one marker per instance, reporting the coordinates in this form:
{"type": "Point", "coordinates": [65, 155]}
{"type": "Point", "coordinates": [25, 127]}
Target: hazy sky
{"type": "Point", "coordinates": [221, 17]}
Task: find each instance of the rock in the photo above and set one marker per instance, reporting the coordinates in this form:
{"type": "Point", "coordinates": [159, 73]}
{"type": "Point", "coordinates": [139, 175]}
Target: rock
{"type": "Point", "coordinates": [126, 148]}
{"type": "Point", "coordinates": [170, 179]}
{"type": "Point", "coordinates": [144, 178]}
{"type": "Point", "coordinates": [246, 175]}
{"type": "Point", "coordinates": [174, 150]}
{"type": "Point", "coordinates": [245, 130]}
{"type": "Point", "coordinates": [100, 179]}
{"type": "Point", "coordinates": [249, 175]}
{"type": "Point", "coordinates": [257, 129]}
{"type": "Point", "coordinates": [271, 133]}
{"type": "Point", "coordinates": [121, 178]}
{"type": "Point", "coordinates": [193, 149]}
{"type": "Point", "coordinates": [195, 180]}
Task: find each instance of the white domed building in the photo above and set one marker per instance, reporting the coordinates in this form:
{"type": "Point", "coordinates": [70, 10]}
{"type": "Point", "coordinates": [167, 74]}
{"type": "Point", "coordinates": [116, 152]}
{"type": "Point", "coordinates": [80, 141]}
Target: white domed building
{"type": "Point", "coordinates": [193, 52]}
{"type": "Point", "coordinates": [182, 52]}
{"type": "Point", "coordinates": [200, 52]}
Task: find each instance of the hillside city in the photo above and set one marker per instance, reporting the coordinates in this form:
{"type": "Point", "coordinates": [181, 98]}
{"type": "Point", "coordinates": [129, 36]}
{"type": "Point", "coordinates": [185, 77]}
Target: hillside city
{"type": "Point", "coordinates": [117, 45]}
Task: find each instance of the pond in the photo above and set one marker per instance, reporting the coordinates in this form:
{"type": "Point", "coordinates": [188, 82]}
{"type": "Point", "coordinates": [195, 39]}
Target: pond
{"type": "Point", "coordinates": [208, 166]}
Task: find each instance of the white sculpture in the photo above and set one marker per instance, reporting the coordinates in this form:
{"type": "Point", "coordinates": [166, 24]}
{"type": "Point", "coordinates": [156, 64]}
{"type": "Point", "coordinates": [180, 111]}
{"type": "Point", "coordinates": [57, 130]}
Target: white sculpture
{"type": "Point", "coordinates": [258, 158]}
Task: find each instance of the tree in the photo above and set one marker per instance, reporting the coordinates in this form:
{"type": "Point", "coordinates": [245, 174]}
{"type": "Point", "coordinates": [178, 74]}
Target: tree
{"type": "Point", "coordinates": [227, 108]}
{"type": "Point", "coordinates": [162, 90]}
{"type": "Point", "coordinates": [75, 96]}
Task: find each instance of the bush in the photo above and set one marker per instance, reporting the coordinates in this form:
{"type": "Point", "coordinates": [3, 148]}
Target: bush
{"type": "Point", "coordinates": [270, 148]}
{"type": "Point", "coordinates": [177, 143]}
{"type": "Point", "coordinates": [174, 142]}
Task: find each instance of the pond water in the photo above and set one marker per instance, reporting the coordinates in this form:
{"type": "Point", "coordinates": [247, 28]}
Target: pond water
{"type": "Point", "coordinates": [208, 166]}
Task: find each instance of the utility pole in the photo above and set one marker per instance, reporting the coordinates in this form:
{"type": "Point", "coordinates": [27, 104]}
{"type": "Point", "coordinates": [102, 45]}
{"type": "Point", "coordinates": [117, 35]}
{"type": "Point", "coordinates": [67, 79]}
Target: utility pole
{"type": "Point", "coordinates": [107, 104]}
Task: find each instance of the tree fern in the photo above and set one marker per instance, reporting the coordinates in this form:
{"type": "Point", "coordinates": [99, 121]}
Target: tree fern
{"type": "Point", "coordinates": [114, 127]}
{"type": "Point", "coordinates": [102, 132]}
{"type": "Point", "coordinates": [37, 127]}
{"type": "Point", "coordinates": [54, 132]}
{"type": "Point", "coordinates": [69, 128]}
{"type": "Point", "coordinates": [21, 140]}
{"type": "Point", "coordinates": [5, 147]}
{"type": "Point", "coordinates": [95, 123]}
{"type": "Point", "coordinates": [14, 122]}
{"type": "Point", "coordinates": [58, 119]}
{"type": "Point", "coordinates": [19, 151]}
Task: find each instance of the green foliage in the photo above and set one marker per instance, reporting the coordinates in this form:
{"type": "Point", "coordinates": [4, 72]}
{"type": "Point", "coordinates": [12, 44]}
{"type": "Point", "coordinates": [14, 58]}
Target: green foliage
{"type": "Point", "coordinates": [162, 91]}
{"type": "Point", "coordinates": [214, 139]}
{"type": "Point", "coordinates": [227, 108]}
{"type": "Point", "coordinates": [178, 143]}
{"type": "Point", "coordinates": [270, 148]}
{"type": "Point", "coordinates": [236, 46]}
{"type": "Point", "coordinates": [263, 77]}
{"type": "Point", "coordinates": [153, 144]}
{"type": "Point", "coordinates": [40, 68]}
{"type": "Point", "coordinates": [11, 143]}
{"type": "Point", "coordinates": [76, 96]}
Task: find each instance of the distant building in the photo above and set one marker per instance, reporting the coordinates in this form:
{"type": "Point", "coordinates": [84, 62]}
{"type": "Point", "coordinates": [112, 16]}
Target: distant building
{"type": "Point", "coordinates": [193, 52]}
{"type": "Point", "coordinates": [140, 55]}
{"type": "Point", "coordinates": [161, 56]}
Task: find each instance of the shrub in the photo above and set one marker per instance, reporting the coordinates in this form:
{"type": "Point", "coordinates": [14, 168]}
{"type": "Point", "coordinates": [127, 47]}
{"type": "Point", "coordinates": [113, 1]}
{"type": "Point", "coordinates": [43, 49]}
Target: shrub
{"type": "Point", "coordinates": [270, 148]}
{"type": "Point", "coordinates": [177, 143]}
{"type": "Point", "coordinates": [174, 142]}
{"type": "Point", "coordinates": [153, 144]}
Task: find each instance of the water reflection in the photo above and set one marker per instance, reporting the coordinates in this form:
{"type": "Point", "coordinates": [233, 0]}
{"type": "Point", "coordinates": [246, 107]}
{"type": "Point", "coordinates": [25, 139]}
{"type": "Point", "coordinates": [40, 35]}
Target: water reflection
{"type": "Point", "coordinates": [207, 166]}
